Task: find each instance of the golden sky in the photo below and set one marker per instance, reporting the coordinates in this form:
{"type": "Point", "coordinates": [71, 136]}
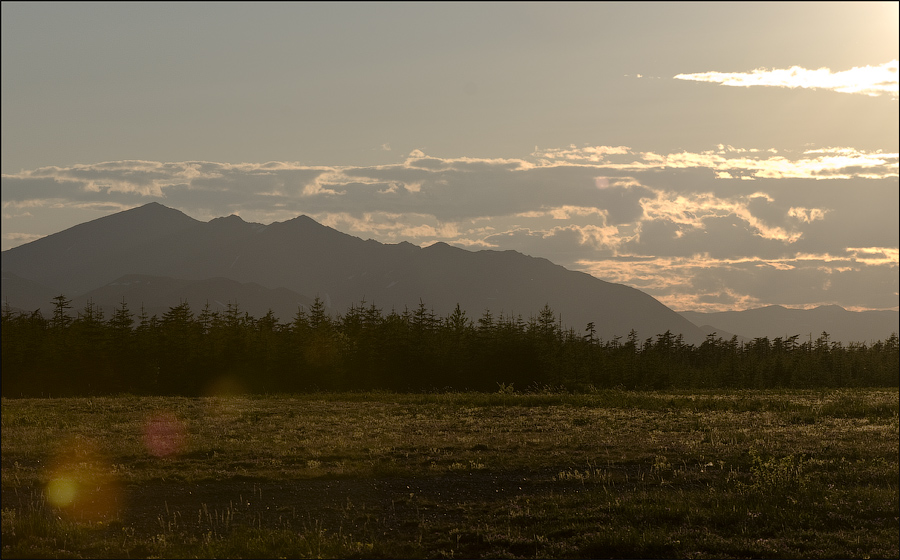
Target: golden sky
{"type": "Point", "coordinates": [715, 155]}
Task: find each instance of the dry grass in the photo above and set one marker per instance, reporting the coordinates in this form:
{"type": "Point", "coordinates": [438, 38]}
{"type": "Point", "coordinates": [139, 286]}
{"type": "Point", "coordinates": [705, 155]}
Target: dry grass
{"type": "Point", "coordinates": [676, 474]}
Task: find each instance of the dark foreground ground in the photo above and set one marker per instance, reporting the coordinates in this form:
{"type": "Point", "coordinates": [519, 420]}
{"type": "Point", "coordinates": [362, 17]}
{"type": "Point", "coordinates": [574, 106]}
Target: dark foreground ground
{"type": "Point", "coordinates": [617, 475]}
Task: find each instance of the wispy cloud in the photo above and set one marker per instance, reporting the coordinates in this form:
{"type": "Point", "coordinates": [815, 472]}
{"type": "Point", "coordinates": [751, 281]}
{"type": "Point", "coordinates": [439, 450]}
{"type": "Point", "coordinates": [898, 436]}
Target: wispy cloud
{"type": "Point", "coordinates": [807, 215]}
{"type": "Point", "coordinates": [799, 280]}
{"type": "Point", "coordinates": [729, 162]}
{"type": "Point", "coordinates": [19, 238]}
{"type": "Point", "coordinates": [685, 227]}
{"type": "Point", "coordinates": [866, 80]}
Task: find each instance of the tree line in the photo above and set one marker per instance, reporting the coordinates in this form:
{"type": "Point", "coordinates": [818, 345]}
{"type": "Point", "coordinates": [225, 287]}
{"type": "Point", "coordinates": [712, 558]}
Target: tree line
{"type": "Point", "coordinates": [186, 353]}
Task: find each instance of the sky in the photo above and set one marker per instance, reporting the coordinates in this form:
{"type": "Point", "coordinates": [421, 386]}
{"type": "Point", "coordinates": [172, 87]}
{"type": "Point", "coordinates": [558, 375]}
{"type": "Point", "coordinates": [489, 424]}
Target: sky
{"type": "Point", "coordinates": [718, 156]}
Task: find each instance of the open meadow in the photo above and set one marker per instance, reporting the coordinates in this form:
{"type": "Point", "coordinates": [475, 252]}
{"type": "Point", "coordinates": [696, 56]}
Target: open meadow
{"type": "Point", "coordinates": [615, 474]}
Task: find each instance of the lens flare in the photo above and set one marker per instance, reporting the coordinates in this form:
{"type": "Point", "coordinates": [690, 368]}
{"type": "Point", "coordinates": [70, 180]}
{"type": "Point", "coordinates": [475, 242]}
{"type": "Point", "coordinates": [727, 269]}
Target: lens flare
{"type": "Point", "coordinates": [81, 484]}
{"type": "Point", "coordinates": [164, 435]}
{"type": "Point", "coordinates": [62, 491]}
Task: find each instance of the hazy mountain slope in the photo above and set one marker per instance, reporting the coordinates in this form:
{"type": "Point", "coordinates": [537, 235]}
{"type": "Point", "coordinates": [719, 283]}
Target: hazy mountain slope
{"type": "Point", "coordinates": [720, 333]}
{"type": "Point", "coordinates": [91, 254]}
{"type": "Point", "coordinates": [777, 321]}
{"type": "Point", "coordinates": [513, 283]}
{"type": "Point", "coordinates": [283, 264]}
{"type": "Point", "coordinates": [28, 295]}
{"type": "Point", "coordinates": [156, 294]}
{"type": "Point", "coordinates": [309, 259]}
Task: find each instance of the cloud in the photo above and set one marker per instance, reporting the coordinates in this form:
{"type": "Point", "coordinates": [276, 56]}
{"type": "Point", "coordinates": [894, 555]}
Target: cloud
{"type": "Point", "coordinates": [20, 238]}
{"type": "Point", "coordinates": [802, 280]}
{"type": "Point", "coordinates": [807, 215]}
{"type": "Point", "coordinates": [875, 255]}
{"type": "Point", "coordinates": [866, 80]}
{"type": "Point", "coordinates": [729, 162]}
{"type": "Point", "coordinates": [701, 230]}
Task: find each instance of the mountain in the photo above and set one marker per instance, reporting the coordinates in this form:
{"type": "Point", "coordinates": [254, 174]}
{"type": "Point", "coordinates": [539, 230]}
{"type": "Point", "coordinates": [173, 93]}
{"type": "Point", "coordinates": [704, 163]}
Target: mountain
{"type": "Point", "coordinates": [776, 321]}
{"type": "Point", "coordinates": [91, 254]}
{"type": "Point", "coordinates": [285, 263]}
{"type": "Point", "coordinates": [720, 333]}
{"type": "Point", "coordinates": [156, 294]}
{"type": "Point", "coordinates": [28, 295]}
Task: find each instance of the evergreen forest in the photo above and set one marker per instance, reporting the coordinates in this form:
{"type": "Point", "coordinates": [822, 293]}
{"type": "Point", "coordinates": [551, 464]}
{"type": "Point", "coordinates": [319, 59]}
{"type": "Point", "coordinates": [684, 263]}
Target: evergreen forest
{"type": "Point", "coordinates": [186, 352]}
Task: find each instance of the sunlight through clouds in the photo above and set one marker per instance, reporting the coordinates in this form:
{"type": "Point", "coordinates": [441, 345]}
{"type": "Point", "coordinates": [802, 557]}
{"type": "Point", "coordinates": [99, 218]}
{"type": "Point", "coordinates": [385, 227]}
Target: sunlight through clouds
{"type": "Point", "coordinates": [495, 127]}
{"type": "Point", "coordinates": [694, 210]}
{"type": "Point", "coordinates": [800, 280]}
{"type": "Point", "coordinates": [807, 215]}
{"type": "Point", "coordinates": [730, 162]}
{"type": "Point", "coordinates": [875, 255]}
{"type": "Point", "coordinates": [419, 174]}
{"type": "Point", "coordinates": [641, 214]}
{"type": "Point", "coordinates": [866, 80]}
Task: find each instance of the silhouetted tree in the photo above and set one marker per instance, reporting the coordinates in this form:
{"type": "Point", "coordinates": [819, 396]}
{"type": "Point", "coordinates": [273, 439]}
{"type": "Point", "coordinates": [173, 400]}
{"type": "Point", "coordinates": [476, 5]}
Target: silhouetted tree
{"type": "Point", "coordinates": [408, 351]}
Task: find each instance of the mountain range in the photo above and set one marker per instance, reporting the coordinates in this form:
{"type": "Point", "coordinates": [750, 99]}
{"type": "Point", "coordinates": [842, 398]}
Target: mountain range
{"type": "Point", "coordinates": [776, 321]}
{"type": "Point", "coordinates": [155, 257]}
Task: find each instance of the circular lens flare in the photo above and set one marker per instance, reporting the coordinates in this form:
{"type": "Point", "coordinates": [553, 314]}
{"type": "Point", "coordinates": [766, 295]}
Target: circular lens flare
{"type": "Point", "coordinates": [62, 491]}
{"type": "Point", "coordinates": [81, 482]}
{"type": "Point", "coordinates": [164, 435]}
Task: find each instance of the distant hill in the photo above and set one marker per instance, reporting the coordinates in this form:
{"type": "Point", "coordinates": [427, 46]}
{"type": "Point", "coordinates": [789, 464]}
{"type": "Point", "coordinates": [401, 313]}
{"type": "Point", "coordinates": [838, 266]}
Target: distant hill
{"type": "Point", "coordinates": [777, 321]}
{"type": "Point", "coordinates": [291, 262]}
{"type": "Point", "coordinates": [87, 256]}
{"type": "Point", "coordinates": [23, 294]}
{"type": "Point", "coordinates": [156, 294]}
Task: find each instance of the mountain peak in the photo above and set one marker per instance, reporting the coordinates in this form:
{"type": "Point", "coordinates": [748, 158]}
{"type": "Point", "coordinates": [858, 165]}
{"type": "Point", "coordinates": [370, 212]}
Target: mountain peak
{"type": "Point", "coordinates": [830, 307]}
{"type": "Point", "coordinates": [302, 219]}
{"type": "Point", "coordinates": [313, 230]}
{"type": "Point", "coordinates": [155, 208]}
{"type": "Point", "coordinates": [308, 258]}
{"type": "Point", "coordinates": [67, 261]}
{"type": "Point", "coordinates": [234, 218]}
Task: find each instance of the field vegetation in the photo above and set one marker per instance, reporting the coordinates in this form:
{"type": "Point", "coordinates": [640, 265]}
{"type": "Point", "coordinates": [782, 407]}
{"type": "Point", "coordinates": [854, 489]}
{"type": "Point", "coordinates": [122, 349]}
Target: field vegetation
{"type": "Point", "coordinates": [508, 473]}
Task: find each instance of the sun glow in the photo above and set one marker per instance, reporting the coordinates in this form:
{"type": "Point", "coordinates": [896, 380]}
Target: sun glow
{"type": "Point", "coordinates": [867, 80]}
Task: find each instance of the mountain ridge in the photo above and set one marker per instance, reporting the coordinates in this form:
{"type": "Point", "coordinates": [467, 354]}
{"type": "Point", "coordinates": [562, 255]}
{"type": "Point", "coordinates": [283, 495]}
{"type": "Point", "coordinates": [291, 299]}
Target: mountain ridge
{"type": "Point", "coordinates": [296, 260]}
{"type": "Point", "coordinates": [774, 321]}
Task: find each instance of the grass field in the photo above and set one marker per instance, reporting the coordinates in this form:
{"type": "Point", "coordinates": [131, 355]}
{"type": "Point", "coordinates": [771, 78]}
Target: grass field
{"type": "Point", "coordinates": [615, 474]}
